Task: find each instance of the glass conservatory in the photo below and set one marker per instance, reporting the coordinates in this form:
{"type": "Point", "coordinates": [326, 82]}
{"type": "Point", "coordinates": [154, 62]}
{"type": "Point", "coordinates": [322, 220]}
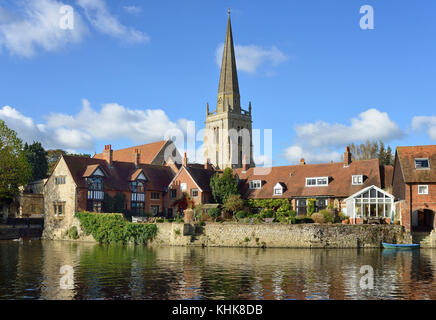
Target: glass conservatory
{"type": "Point", "coordinates": [370, 203]}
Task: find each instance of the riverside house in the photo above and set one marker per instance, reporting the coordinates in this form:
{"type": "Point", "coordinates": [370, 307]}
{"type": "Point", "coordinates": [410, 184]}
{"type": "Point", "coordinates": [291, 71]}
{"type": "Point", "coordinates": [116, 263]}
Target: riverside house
{"type": "Point", "coordinates": [330, 184]}
{"type": "Point", "coordinates": [414, 187]}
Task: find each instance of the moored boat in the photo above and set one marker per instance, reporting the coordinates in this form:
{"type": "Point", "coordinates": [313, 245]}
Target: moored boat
{"type": "Point", "coordinates": [400, 246]}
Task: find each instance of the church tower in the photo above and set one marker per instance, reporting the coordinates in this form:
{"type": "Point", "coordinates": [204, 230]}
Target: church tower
{"type": "Point", "coordinates": [228, 134]}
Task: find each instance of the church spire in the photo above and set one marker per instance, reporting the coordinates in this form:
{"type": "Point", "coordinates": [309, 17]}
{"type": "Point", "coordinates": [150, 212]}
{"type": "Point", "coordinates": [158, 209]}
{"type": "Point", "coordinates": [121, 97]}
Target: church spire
{"type": "Point", "coordinates": [228, 90]}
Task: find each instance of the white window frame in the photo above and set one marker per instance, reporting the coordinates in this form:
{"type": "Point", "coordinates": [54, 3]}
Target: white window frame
{"type": "Point", "coordinates": [316, 181]}
{"type": "Point", "coordinates": [422, 159]}
{"type": "Point", "coordinates": [255, 184]}
{"type": "Point", "coordinates": [278, 191]}
{"type": "Point", "coordinates": [423, 185]}
{"type": "Point", "coordinates": [359, 177]}
{"type": "Point", "coordinates": [183, 186]}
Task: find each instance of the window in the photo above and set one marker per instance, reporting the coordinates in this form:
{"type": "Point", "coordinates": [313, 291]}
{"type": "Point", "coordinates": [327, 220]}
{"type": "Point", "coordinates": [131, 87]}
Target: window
{"type": "Point", "coordinates": [95, 183]}
{"type": "Point", "coordinates": [173, 193]}
{"type": "Point", "coordinates": [59, 208]}
{"type": "Point", "coordinates": [155, 195]}
{"type": "Point", "coordinates": [183, 186]}
{"type": "Point", "coordinates": [301, 207]}
{"type": "Point", "coordinates": [422, 163]}
{"type": "Point", "coordinates": [138, 208]}
{"type": "Point", "coordinates": [317, 182]}
{"type": "Point", "coordinates": [60, 180]}
{"type": "Point", "coordinates": [94, 206]}
{"type": "Point", "coordinates": [357, 180]}
{"type": "Point", "coordinates": [137, 186]}
{"type": "Point", "coordinates": [194, 192]}
{"type": "Point", "coordinates": [278, 191]}
{"type": "Point", "coordinates": [255, 184]}
{"type": "Point", "coordinates": [154, 210]}
{"type": "Point", "coordinates": [423, 189]}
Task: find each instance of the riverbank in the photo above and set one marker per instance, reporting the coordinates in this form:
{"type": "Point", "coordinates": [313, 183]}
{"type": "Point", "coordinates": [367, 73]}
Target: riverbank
{"type": "Point", "coordinates": [279, 235]}
{"type": "Point", "coordinates": [19, 231]}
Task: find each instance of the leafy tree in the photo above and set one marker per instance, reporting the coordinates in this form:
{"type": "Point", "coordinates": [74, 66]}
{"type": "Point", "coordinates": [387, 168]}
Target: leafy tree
{"type": "Point", "coordinates": [37, 157]}
{"type": "Point", "coordinates": [53, 156]}
{"type": "Point", "coordinates": [372, 150]}
{"type": "Point", "coordinates": [310, 206]}
{"type": "Point", "coordinates": [234, 203]}
{"type": "Point", "coordinates": [223, 186]}
{"type": "Point", "coordinates": [119, 202]}
{"type": "Point", "coordinates": [15, 169]}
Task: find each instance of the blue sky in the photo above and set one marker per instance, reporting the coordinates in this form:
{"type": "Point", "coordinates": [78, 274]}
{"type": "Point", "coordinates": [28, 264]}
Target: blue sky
{"type": "Point", "coordinates": [129, 70]}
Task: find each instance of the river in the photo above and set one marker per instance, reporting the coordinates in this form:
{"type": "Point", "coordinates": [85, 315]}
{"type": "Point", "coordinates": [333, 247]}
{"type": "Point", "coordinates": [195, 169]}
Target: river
{"type": "Point", "coordinates": [32, 270]}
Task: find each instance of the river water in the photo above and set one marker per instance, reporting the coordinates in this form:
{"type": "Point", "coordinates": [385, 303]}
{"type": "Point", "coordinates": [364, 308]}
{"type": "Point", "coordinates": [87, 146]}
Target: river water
{"type": "Point", "coordinates": [32, 270]}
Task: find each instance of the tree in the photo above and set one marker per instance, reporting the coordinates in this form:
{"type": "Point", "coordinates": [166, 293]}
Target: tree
{"type": "Point", "coordinates": [372, 150]}
{"type": "Point", "coordinates": [234, 203]}
{"type": "Point", "coordinates": [15, 169]}
{"type": "Point", "coordinates": [53, 156]}
{"type": "Point", "coordinates": [37, 157]}
{"type": "Point", "coordinates": [224, 186]}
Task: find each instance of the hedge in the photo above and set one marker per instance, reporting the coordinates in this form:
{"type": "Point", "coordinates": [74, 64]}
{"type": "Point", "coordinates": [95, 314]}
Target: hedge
{"type": "Point", "coordinates": [113, 228]}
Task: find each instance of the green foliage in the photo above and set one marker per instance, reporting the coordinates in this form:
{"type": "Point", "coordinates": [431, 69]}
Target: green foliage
{"type": "Point", "coordinates": [303, 219]}
{"type": "Point", "coordinates": [327, 215]}
{"type": "Point", "coordinates": [119, 202]}
{"type": "Point", "coordinates": [274, 204]}
{"type": "Point", "coordinates": [36, 155]}
{"type": "Point", "coordinates": [73, 233]}
{"type": "Point", "coordinates": [214, 213]}
{"type": "Point", "coordinates": [310, 206]}
{"type": "Point", "coordinates": [53, 156]}
{"type": "Point", "coordinates": [224, 186]}
{"type": "Point", "coordinates": [240, 215]}
{"type": "Point", "coordinates": [267, 213]}
{"type": "Point", "coordinates": [108, 203]}
{"type": "Point", "coordinates": [15, 169]}
{"type": "Point", "coordinates": [372, 150]}
{"type": "Point", "coordinates": [233, 204]}
{"type": "Point", "coordinates": [113, 228]}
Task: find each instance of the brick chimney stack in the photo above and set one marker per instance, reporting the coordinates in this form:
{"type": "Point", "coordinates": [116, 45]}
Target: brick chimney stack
{"type": "Point", "coordinates": [347, 157]}
{"type": "Point", "coordinates": [185, 160]}
{"type": "Point", "coordinates": [302, 162]}
{"type": "Point", "coordinates": [207, 164]}
{"type": "Point", "coordinates": [245, 165]}
{"type": "Point", "coordinates": [137, 157]}
{"type": "Point", "coordinates": [108, 154]}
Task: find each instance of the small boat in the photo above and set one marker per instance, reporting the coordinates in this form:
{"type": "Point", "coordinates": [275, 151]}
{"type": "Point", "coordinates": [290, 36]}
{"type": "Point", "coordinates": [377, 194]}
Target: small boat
{"type": "Point", "coordinates": [400, 246]}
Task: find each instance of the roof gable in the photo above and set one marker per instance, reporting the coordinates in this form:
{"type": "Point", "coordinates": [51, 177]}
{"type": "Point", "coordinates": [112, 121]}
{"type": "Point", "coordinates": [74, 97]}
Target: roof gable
{"type": "Point", "coordinates": [407, 156]}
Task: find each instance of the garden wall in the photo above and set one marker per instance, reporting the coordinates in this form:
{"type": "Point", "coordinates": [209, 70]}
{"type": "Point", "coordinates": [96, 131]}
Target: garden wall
{"type": "Point", "coordinates": [281, 236]}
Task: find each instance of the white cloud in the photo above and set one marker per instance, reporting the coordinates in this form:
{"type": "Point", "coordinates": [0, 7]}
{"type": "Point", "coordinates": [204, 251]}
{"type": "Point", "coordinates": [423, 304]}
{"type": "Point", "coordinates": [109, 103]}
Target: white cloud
{"type": "Point", "coordinates": [132, 9]}
{"type": "Point", "coordinates": [425, 122]}
{"type": "Point", "coordinates": [319, 141]}
{"type": "Point", "coordinates": [99, 16]}
{"type": "Point", "coordinates": [37, 28]}
{"type": "Point", "coordinates": [111, 123]}
{"type": "Point", "coordinates": [250, 58]}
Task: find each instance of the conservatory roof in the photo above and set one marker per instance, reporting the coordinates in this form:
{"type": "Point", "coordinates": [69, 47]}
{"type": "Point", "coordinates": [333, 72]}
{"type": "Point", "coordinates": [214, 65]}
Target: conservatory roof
{"type": "Point", "coordinates": [369, 188]}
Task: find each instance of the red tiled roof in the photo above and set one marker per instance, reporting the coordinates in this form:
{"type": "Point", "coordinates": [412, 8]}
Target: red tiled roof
{"type": "Point", "coordinates": [90, 170]}
{"type": "Point", "coordinates": [407, 156]}
{"type": "Point", "coordinates": [118, 177]}
{"type": "Point", "coordinates": [294, 178]}
{"type": "Point", "coordinates": [201, 177]}
{"type": "Point", "coordinates": [386, 175]}
{"type": "Point", "coordinates": [148, 153]}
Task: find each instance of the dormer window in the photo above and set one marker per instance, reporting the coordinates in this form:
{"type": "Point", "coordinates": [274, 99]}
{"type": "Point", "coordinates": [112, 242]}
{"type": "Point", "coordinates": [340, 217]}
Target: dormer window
{"type": "Point", "coordinates": [422, 163]}
{"type": "Point", "coordinates": [137, 186]}
{"type": "Point", "coordinates": [317, 182]}
{"type": "Point", "coordinates": [278, 189]}
{"type": "Point", "coordinates": [255, 184]}
{"type": "Point", "coordinates": [357, 180]}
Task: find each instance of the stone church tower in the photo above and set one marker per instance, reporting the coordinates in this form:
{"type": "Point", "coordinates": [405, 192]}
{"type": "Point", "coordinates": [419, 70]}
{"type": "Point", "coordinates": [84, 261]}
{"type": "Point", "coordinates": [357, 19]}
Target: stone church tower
{"type": "Point", "coordinates": [228, 134]}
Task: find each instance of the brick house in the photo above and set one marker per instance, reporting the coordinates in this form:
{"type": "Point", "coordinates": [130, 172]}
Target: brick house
{"type": "Point", "coordinates": [414, 186]}
{"type": "Point", "coordinates": [80, 183]}
{"type": "Point", "coordinates": [328, 183]}
{"type": "Point", "coordinates": [194, 181]}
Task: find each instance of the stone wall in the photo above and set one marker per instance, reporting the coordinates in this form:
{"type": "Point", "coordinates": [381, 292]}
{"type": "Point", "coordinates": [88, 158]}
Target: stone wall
{"type": "Point", "coordinates": [282, 236]}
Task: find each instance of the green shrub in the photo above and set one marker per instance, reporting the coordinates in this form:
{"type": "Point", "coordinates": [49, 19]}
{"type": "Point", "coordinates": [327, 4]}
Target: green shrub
{"type": "Point", "coordinates": [303, 219]}
{"type": "Point", "coordinates": [327, 215]}
{"type": "Point", "coordinates": [73, 233]}
{"type": "Point", "coordinates": [160, 220]}
{"type": "Point", "coordinates": [267, 213]}
{"type": "Point", "coordinates": [113, 228]}
{"type": "Point", "coordinates": [214, 213]}
{"type": "Point", "coordinates": [241, 215]}
{"type": "Point", "coordinates": [317, 217]}
{"type": "Point", "coordinates": [310, 206]}
{"type": "Point", "coordinates": [233, 204]}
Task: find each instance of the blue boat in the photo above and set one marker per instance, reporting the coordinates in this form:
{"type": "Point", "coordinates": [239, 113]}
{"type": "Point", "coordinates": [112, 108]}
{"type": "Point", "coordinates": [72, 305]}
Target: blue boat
{"type": "Point", "coordinates": [400, 246]}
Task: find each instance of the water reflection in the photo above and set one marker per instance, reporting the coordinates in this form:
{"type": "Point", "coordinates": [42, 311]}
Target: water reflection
{"type": "Point", "coordinates": [32, 271]}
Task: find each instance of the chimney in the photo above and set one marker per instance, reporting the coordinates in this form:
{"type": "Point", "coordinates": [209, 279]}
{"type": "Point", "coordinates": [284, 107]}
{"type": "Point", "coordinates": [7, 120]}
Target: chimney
{"type": "Point", "coordinates": [185, 160]}
{"type": "Point", "coordinates": [108, 154]}
{"type": "Point", "coordinates": [137, 158]}
{"type": "Point", "coordinates": [207, 164]}
{"type": "Point", "coordinates": [347, 157]}
{"type": "Point", "coordinates": [245, 165]}
{"type": "Point", "coordinates": [302, 162]}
